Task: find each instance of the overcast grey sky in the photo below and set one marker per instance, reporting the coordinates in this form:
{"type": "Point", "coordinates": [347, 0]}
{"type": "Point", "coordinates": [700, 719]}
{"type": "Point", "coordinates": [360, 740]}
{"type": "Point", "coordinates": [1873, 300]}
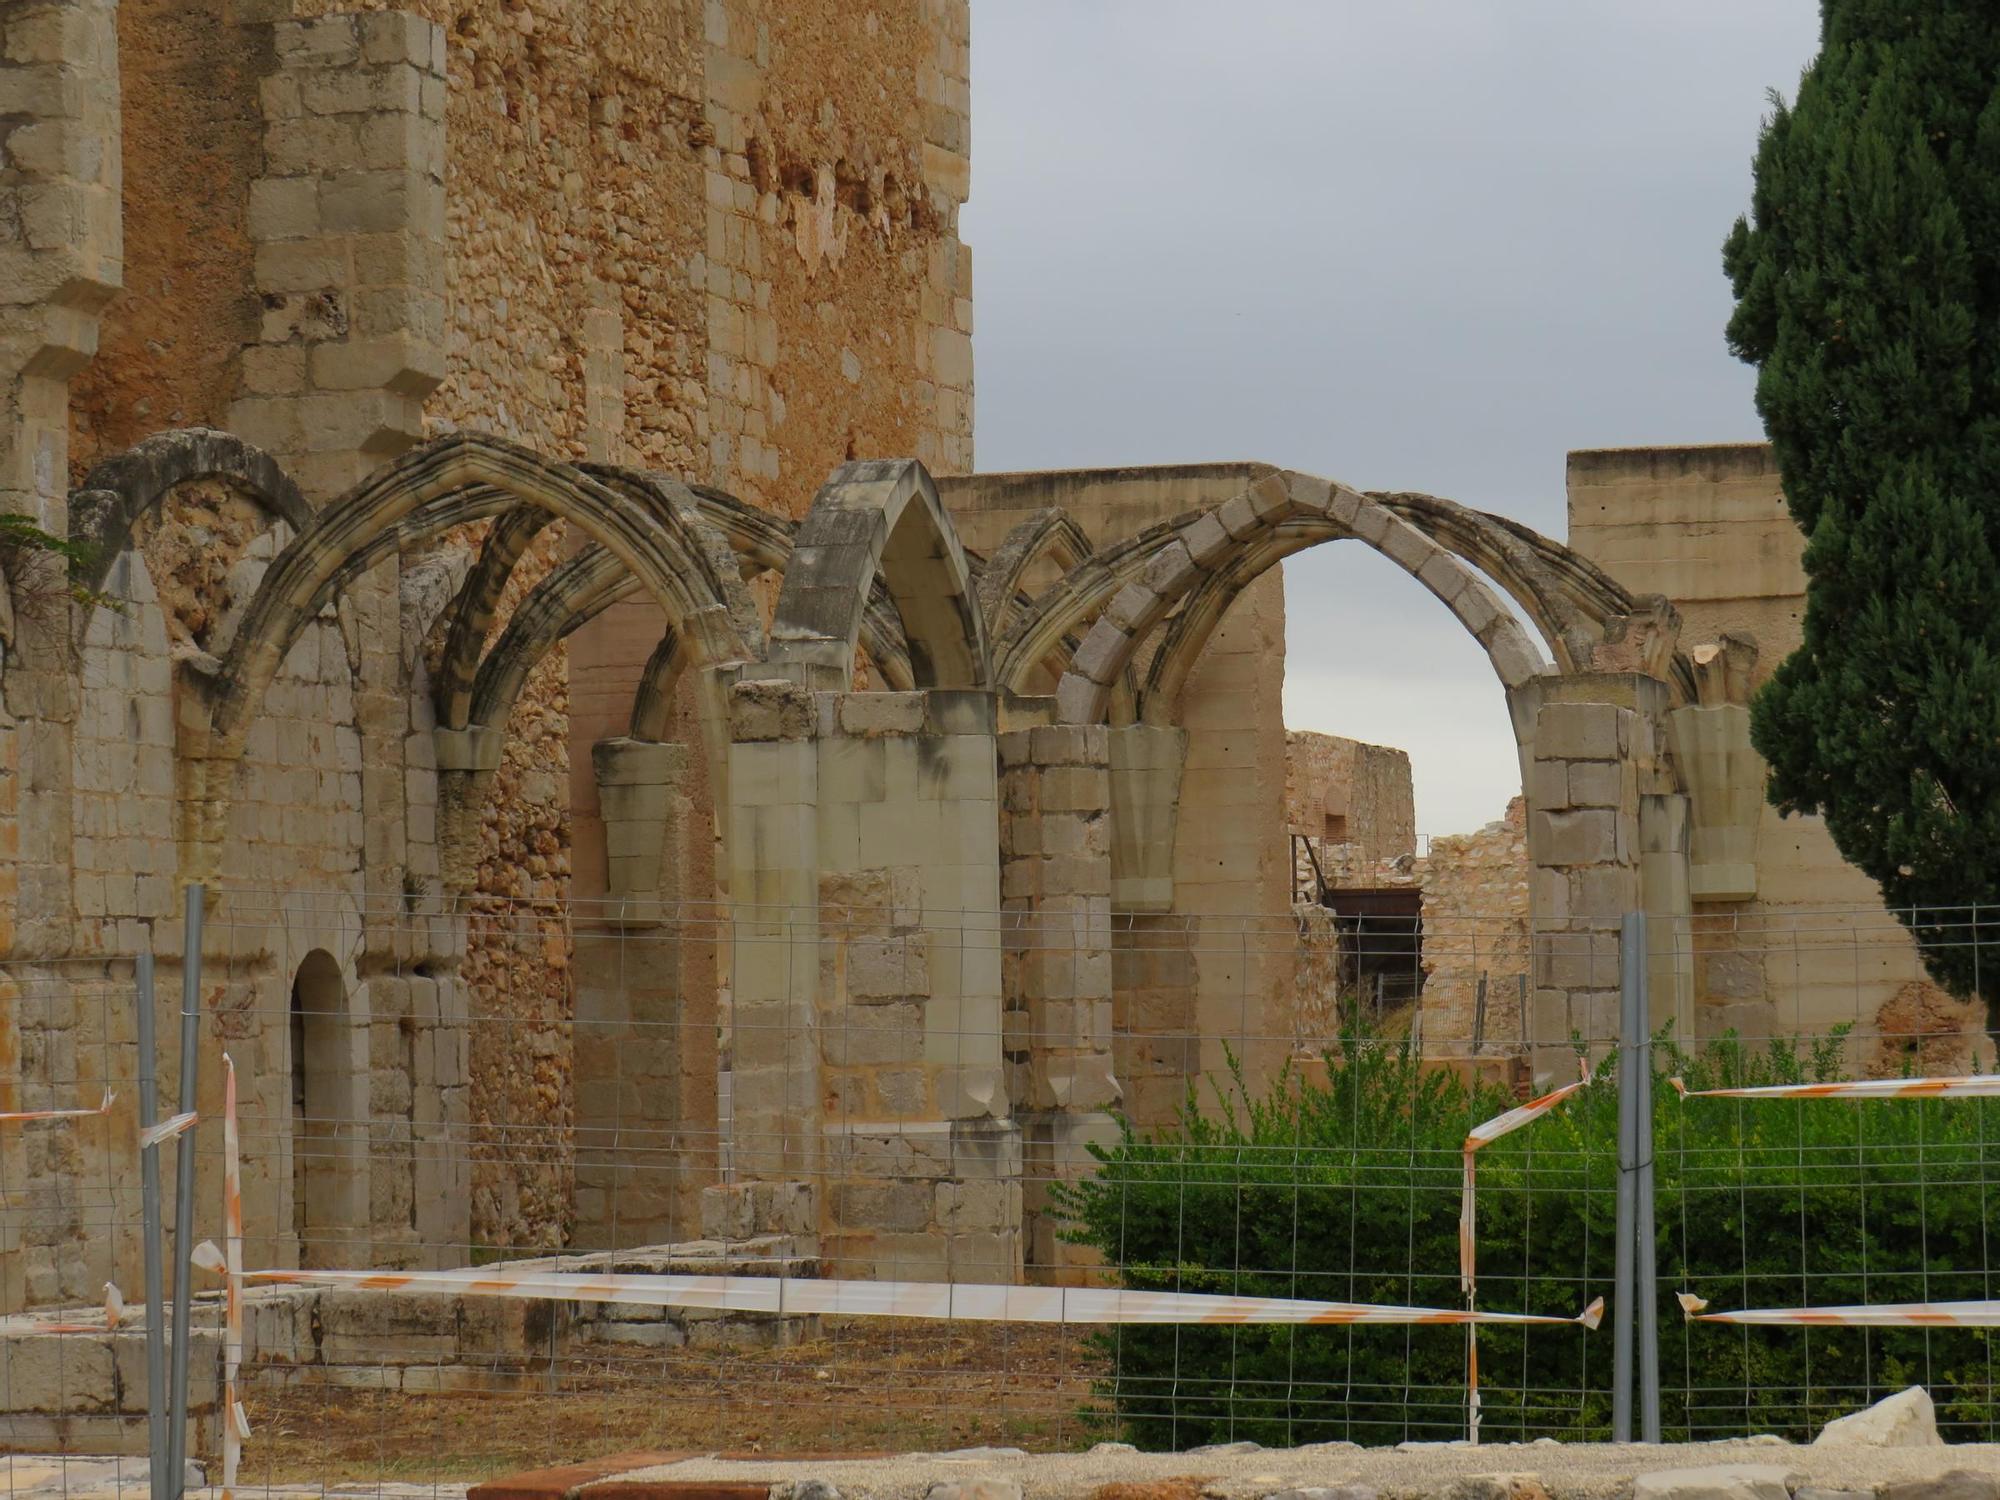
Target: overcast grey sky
{"type": "Point", "coordinates": [1411, 244]}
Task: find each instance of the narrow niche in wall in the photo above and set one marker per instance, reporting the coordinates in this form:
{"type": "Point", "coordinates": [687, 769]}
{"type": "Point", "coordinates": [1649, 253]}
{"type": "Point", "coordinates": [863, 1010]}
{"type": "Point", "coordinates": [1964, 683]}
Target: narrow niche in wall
{"type": "Point", "coordinates": [322, 1086]}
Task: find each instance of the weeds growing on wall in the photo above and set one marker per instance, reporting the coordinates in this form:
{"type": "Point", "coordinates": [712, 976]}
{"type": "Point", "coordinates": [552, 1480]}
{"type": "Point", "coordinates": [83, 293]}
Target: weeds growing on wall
{"type": "Point", "coordinates": [37, 569]}
{"type": "Point", "coordinates": [1344, 1184]}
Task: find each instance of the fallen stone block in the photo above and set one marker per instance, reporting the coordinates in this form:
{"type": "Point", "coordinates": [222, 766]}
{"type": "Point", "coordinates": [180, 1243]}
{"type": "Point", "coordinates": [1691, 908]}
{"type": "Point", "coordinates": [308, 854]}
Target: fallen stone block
{"type": "Point", "coordinates": [1907, 1419]}
{"type": "Point", "coordinates": [1957, 1484]}
{"type": "Point", "coordinates": [1719, 1482]}
{"type": "Point", "coordinates": [990, 1487]}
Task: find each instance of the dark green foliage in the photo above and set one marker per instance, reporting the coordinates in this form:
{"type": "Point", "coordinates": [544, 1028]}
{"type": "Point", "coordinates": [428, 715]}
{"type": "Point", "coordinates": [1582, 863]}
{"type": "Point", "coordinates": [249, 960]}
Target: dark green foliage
{"type": "Point", "coordinates": [1867, 280]}
{"type": "Point", "coordinates": [1349, 1191]}
{"type": "Point", "coordinates": [39, 567]}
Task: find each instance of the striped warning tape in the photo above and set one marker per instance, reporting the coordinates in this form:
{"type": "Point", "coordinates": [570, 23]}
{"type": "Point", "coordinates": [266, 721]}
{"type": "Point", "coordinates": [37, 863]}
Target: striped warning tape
{"type": "Point", "coordinates": [1979, 1086]}
{"type": "Point", "coordinates": [964, 1301]}
{"type": "Point", "coordinates": [228, 1263]}
{"type": "Point", "coordinates": [780, 1295]}
{"type": "Point", "coordinates": [166, 1130]}
{"type": "Point", "coordinates": [114, 1314]}
{"type": "Point", "coordinates": [1871, 1315]}
{"type": "Point", "coordinates": [1877, 1315]}
{"type": "Point", "coordinates": [20, 1116]}
{"type": "Point", "coordinates": [1478, 1138]}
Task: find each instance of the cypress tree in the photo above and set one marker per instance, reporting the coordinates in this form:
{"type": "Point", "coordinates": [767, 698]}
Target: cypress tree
{"type": "Point", "coordinates": [1867, 281]}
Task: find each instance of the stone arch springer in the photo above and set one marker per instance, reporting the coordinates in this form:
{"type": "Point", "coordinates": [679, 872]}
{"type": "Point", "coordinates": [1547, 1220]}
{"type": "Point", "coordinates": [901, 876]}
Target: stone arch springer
{"type": "Point", "coordinates": [880, 519]}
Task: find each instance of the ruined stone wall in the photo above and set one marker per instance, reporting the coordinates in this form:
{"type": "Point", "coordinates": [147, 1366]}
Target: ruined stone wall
{"type": "Point", "coordinates": [1707, 527]}
{"type": "Point", "coordinates": [1344, 792]}
{"type": "Point", "coordinates": [717, 239]}
{"type": "Point", "coordinates": [1218, 971]}
{"type": "Point", "coordinates": [1476, 925]}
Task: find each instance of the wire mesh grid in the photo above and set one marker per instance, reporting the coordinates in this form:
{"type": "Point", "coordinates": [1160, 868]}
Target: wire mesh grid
{"type": "Point", "coordinates": [1812, 1203]}
{"type": "Point", "coordinates": [1211, 1105]}
{"type": "Point", "coordinates": [70, 1202]}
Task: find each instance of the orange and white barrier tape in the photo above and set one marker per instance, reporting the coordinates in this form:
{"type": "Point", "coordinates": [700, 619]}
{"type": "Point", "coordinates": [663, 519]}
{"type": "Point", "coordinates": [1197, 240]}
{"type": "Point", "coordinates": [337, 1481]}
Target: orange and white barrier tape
{"type": "Point", "coordinates": [114, 1314]}
{"type": "Point", "coordinates": [166, 1130]}
{"type": "Point", "coordinates": [964, 1301]}
{"type": "Point", "coordinates": [21, 1116]}
{"type": "Point", "coordinates": [1979, 1086]}
{"type": "Point", "coordinates": [229, 1262]}
{"type": "Point", "coordinates": [1871, 1315]}
{"type": "Point", "coordinates": [1480, 1137]}
{"type": "Point", "coordinates": [1874, 1315]}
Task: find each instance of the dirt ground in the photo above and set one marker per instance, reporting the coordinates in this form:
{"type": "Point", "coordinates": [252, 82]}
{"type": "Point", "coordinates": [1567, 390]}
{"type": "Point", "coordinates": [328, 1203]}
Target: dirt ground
{"type": "Point", "coordinates": [873, 1386]}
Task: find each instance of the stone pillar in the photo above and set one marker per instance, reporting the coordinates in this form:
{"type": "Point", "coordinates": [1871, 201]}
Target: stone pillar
{"type": "Point", "coordinates": [923, 1158]}
{"type": "Point", "coordinates": [772, 816]}
{"type": "Point", "coordinates": [61, 261]}
{"type": "Point", "coordinates": [1595, 752]}
{"type": "Point", "coordinates": [348, 225]}
{"type": "Point", "coordinates": [638, 1152]}
{"type": "Point", "coordinates": [1056, 883]}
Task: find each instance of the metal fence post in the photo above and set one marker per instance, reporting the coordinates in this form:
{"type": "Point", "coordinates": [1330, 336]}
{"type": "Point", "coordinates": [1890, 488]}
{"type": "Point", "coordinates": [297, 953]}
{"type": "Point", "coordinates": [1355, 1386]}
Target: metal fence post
{"type": "Point", "coordinates": [1646, 1280]}
{"type": "Point", "coordinates": [149, 1191]}
{"type": "Point", "coordinates": [184, 1190]}
{"type": "Point", "coordinates": [1637, 1277]}
{"type": "Point", "coordinates": [1626, 1241]}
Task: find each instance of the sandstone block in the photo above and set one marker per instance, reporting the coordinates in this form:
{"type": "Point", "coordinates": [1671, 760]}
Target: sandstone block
{"type": "Point", "coordinates": [1171, 571]}
{"type": "Point", "coordinates": [1077, 699]}
{"type": "Point", "coordinates": [770, 709]}
{"type": "Point", "coordinates": [1071, 745]}
{"type": "Point", "coordinates": [1132, 607]}
{"type": "Point", "coordinates": [888, 968]}
{"type": "Point", "coordinates": [1954, 1484]}
{"type": "Point", "coordinates": [1238, 516]}
{"type": "Point", "coordinates": [1905, 1420]}
{"type": "Point", "coordinates": [1578, 731]}
{"type": "Point", "coordinates": [875, 714]}
{"type": "Point", "coordinates": [1206, 540]}
{"type": "Point", "coordinates": [1718, 1482]}
{"type": "Point", "coordinates": [1587, 837]}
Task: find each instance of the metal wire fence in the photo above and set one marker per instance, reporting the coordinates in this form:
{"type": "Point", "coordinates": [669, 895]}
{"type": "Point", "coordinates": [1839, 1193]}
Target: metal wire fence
{"type": "Point", "coordinates": [1201, 1107]}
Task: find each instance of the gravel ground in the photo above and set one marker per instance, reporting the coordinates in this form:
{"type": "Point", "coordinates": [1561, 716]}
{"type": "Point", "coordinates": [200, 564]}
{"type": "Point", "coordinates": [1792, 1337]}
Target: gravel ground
{"type": "Point", "coordinates": [1563, 1470]}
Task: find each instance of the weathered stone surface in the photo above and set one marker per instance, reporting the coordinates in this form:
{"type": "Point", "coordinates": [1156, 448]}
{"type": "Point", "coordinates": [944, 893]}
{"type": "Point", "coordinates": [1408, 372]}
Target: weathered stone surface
{"type": "Point", "coordinates": [1718, 1482]}
{"type": "Point", "coordinates": [989, 1487]}
{"type": "Point", "coordinates": [1953, 1484]}
{"type": "Point", "coordinates": [1905, 1420]}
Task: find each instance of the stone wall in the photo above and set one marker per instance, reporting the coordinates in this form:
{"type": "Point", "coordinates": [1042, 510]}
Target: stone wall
{"type": "Point", "coordinates": [1178, 995]}
{"type": "Point", "coordinates": [1476, 928]}
{"type": "Point", "coordinates": [679, 235]}
{"type": "Point", "coordinates": [1342, 791]}
{"type": "Point", "coordinates": [1707, 527]}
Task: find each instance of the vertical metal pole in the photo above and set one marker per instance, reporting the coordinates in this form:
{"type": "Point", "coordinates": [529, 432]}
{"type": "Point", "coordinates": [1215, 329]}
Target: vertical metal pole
{"type": "Point", "coordinates": [1631, 966]}
{"type": "Point", "coordinates": [149, 1198]}
{"type": "Point", "coordinates": [1646, 1284]}
{"type": "Point", "coordinates": [184, 1189]}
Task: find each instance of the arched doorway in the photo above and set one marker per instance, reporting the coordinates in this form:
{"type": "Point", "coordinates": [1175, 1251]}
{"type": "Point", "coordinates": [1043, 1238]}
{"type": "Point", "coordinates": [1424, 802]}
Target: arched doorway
{"type": "Point", "coordinates": [329, 1119]}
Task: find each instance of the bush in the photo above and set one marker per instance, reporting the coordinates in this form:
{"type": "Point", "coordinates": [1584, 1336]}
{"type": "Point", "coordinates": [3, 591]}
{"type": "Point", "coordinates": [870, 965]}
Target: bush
{"type": "Point", "coordinates": [1348, 1190]}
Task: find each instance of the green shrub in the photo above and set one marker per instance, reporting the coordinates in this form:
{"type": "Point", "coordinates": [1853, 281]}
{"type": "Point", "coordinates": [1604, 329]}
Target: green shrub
{"type": "Point", "coordinates": [1349, 1191]}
